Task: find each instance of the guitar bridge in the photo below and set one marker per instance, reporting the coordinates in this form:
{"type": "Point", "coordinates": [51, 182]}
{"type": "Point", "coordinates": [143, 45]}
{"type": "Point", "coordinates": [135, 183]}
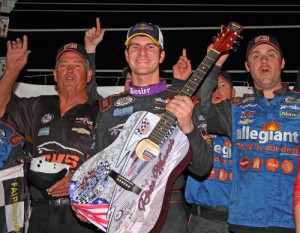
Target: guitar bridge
{"type": "Point", "coordinates": [124, 183]}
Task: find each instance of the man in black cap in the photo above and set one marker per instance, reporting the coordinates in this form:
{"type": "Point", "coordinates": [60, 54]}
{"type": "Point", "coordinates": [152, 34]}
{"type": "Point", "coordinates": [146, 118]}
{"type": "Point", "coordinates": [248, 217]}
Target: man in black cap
{"type": "Point", "coordinates": [61, 127]}
{"type": "Point", "coordinates": [264, 130]}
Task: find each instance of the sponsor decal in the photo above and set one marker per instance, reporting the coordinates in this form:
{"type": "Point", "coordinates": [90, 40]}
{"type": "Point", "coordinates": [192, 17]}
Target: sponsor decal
{"type": "Point", "coordinates": [247, 114]}
{"type": "Point", "coordinates": [257, 163]}
{"type": "Point", "coordinates": [47, 118]}
{"type": "Point", "coordinates": [140, 91]}
{"type": "Point", "coordinates": [81, 130]}
{"type": "Point", "coordinates": [84, 120]}
{"type": "Point", "coordinates": [246, 121]}
{"type": "Point", "coordinates": [201, 118]}
{"type": "Point", "coordinates": [50, 150]}
{"type": "Point", "coordinates": [262, 39]}
{"type": "Point", "coordinates": [225, 149]}
{"type": "Point", "coordinates": [287, 166]}
{"type": "Point", "coordinates": [244, 163]}
{"type": "Point", "coordinates": [124, 101]}
{"type": "Point", "coordinates": [2, 133]}
{"type": "Point", "coordinates": [159, 100]}
{"type": "Point", "coordinates": [222, 174]}
{"type": "Point", "coordinates": [230, 176]}
{"type": "Point", "coordinates": [116, 130]}
{"type": "Point", "coordinates": [291, 100]}
{"type": "Point", "coordinates": [249, 106]}
{"type": "Point", "coordinates": [272, 164]}
{"type": "Point", "coordinates": [248, 99]}
{"type": "Point", "coordinates": [291, 115]}
{"type": "Point", "coordinates": [271, 131]}
{"type": "Point", "coordinates": [16, 139]}
{"type": "Point", "coordinates": [291, 107]}
{"type": "Point", "coordinates": [123, 111]}
{"type": "Point", "coordinates": [143, 128]}
{"type": "Point", "coordinates": [44, 131]}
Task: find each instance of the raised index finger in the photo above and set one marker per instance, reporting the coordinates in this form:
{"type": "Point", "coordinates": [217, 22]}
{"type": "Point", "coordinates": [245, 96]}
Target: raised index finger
{"type": "Point", "coordinates": [25, 42]}
{"type": "Point", "coordinates": [184, 52]}
{"type": "Point", "coordinates": [98, 26]}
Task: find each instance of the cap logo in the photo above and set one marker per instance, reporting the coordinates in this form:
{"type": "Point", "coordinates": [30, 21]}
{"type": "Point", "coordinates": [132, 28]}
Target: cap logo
{"type": "Point", "coordinates": [142, 27]}
{"type": "Point", "coordinates": [262, 39]}
{"type": "Point", "coordinates": [70, 46]}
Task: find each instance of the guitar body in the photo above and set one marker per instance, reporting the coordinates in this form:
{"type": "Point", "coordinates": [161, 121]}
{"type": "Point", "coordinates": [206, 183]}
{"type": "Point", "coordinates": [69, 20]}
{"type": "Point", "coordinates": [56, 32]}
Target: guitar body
{"type": "Point", "coordinates": [119, 191]}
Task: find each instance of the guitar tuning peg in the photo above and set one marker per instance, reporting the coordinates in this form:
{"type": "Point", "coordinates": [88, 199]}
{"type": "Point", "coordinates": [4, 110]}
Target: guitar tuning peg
{"type": "Point", "coordinates": [239, 36]}
{"type": "Point", "coordinates": [237, 43]}
{"type": "Point", "coordinates": [234, 49]}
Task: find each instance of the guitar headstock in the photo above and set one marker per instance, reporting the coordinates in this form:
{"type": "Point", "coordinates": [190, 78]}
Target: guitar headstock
{"type": "Point", "coordinates": [224, 41]}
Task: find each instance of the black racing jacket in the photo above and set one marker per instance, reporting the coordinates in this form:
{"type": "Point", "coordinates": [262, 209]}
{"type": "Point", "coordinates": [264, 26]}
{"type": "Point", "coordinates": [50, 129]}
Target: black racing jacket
{"type": "Point", "coordinates": [64, 139]}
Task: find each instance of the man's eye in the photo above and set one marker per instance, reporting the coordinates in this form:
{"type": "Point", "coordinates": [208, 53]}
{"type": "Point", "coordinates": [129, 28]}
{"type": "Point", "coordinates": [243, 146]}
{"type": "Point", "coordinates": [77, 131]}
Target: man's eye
{"type": "Point", "coordinates": [151, 46]}
{"type": "Point", "coordinates": [134, 47]}
{"type": "Point", "coordinates": [62, 65]}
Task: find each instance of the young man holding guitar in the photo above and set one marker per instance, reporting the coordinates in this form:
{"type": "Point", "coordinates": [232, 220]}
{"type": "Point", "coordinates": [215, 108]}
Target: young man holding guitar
{"type": "Point", "coordinates": [144, 154]}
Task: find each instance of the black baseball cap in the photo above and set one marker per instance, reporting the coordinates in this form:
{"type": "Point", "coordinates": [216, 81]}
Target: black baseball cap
{"type": "Point", "coordinates": [74, 47]}
{"type": "Point", "coordinates": [146, 29]}
{"type": "Point", "coordinates": [223, 74]}
{"type": "Point", "coordinates": [263, 39]}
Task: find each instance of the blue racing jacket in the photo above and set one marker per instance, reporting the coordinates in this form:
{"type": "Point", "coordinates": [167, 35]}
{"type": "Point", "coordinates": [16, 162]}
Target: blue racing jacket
{"type": "Point", "coordinates": [265, 140]}
{"type": "Point", "coordinates": [10, 145]}
{"type": "Point", "coordinates": [214, 189]}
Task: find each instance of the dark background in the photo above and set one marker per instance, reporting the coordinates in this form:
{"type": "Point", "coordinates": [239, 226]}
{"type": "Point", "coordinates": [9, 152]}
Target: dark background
{"type": "Point", "coordinates": [184, 24]}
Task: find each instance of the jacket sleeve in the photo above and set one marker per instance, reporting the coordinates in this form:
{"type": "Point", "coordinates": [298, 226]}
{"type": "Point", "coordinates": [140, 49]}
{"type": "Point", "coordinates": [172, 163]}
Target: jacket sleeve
{"type": "Point", "coordinates": [92, 86]}
{"type": "Point", "coordinates": [20, 113]}
{"type": "Point", "coordinates": [177, 84]}
{"type": "Point", "coordinates": [200, 144]}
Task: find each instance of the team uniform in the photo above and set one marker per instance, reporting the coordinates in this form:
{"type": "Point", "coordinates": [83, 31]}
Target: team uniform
{"type": "Point", "coordinates": [11, 144]}
{"type": "Point", "coordinates": [64, 139]}
{"type": "Point", "coordinates": [265, 139]}
{"type": "Point", "coordinates": [116, 109]}
{"type": "Point", "coordinates": [209, 195]}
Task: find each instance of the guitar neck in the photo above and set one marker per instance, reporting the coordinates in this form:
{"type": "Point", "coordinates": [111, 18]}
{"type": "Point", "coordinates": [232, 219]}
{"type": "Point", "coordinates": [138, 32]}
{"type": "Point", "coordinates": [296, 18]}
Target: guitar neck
{"type": "Point", "coordinates": [199, 74]}
{"type": "Point", "coordinates": [168, 119]}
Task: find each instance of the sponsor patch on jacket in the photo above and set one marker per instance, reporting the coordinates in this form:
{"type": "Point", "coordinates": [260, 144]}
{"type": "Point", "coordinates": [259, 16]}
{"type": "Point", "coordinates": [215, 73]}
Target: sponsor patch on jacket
{"type": "Point", "coordinates": [44, 131]}
{"type": "Point", "coordinates": [246, 121]}
{"type": "Point", "coordinates": [84, 120]}
{"type": "Point", "coordinates": [236, 100]}
{"type": "Point", "coordinates": [247, 114]}
{"type": "Point", "coordinates": [16, 139]}
{"type": "Point", "coordinates": [291, 100]}
{"type": "Point", "coordinates": [81, 130]}
{"type": "Point", "coordinates": [159, 100]}
{"type": "Point", "coordinates": [289, 114]}
{"type": "Point", "coordinates": [124, 101]}
{"type": "Point", "coordinates": [123, 111]}
{"type": "Point", "coordinates": [47, 118]}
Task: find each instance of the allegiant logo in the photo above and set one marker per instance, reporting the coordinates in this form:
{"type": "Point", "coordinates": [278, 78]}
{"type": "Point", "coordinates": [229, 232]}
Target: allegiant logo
{"type": "Point", "coordinates": [268, 135]}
